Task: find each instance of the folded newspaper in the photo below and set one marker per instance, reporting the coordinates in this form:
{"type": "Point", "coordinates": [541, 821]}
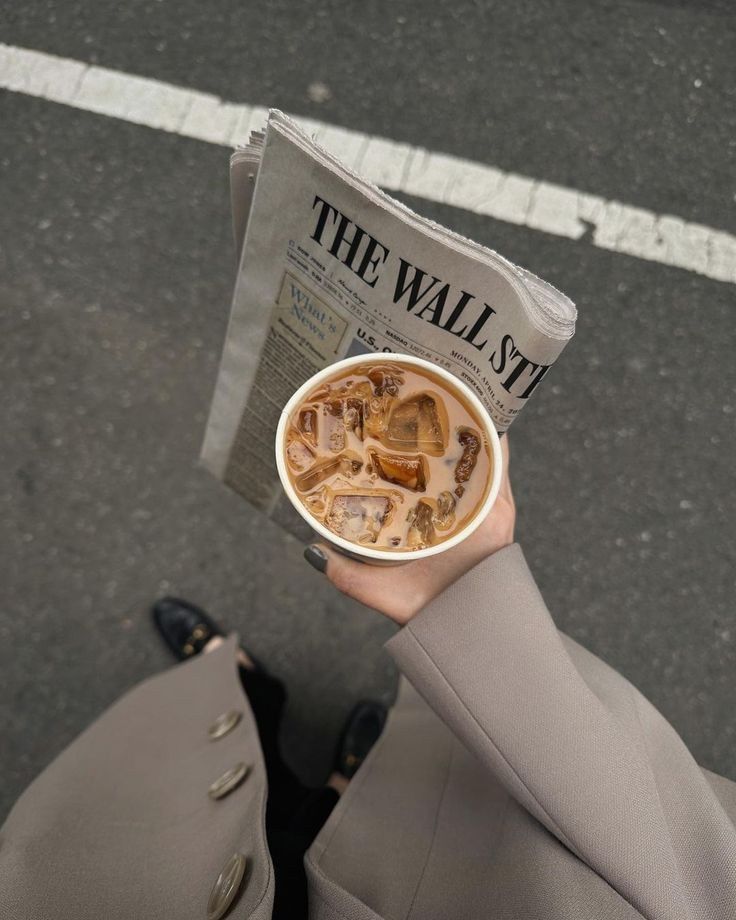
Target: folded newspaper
{"type": "Point", "coordinates": [330, 266]}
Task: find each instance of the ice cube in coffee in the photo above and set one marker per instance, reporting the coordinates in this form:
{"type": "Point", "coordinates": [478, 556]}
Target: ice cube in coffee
{"type": "Point", "coordinates": [387, 455]}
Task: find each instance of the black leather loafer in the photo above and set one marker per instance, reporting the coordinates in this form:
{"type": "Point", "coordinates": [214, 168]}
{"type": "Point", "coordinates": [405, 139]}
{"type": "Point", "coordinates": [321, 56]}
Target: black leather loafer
{"type": "Point", "coordinates": [186, 628]}
{"type": "Point", "coordinates": [362, 729]}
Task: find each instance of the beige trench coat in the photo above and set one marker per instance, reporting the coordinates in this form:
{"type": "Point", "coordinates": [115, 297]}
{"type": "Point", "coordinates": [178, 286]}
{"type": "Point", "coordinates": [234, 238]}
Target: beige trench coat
{"type": "Point", "coordinates": [518, 777]}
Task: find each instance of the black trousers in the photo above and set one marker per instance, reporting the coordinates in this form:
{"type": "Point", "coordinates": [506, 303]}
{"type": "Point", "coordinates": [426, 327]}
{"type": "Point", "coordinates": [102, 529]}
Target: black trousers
{"type": "Point", "coordinates": [294, 812]}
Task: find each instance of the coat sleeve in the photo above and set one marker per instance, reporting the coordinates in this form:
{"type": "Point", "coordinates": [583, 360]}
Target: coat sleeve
{"type": "Point", "coordinates": [573, 741]}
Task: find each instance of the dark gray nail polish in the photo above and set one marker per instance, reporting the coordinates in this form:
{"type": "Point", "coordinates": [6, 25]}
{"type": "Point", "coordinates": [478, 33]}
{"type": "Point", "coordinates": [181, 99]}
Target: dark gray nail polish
{"type": "Point", "coordinates": [316, 558]}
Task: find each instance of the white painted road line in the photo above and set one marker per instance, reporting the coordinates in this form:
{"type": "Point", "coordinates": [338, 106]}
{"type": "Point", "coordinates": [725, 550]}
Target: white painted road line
{"type": "Point", "coordinates": [396, 167]}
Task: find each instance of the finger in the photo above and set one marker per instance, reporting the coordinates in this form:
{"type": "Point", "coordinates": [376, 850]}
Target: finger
{"type": "Point", "coordinates": [505, 488]}
{"type": "Point", "coordinates": [505, 450]}
{"type": "Point", "coordinates": [505, 455]}
{"type": "Point", "coordinates": [373, 585]}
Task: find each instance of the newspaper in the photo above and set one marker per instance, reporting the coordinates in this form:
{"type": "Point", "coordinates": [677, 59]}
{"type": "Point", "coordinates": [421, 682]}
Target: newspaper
{"type": "Point", "coordinates": [330, 266]}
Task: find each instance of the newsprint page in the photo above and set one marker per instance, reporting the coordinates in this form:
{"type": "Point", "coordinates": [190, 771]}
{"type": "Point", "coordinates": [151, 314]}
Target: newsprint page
{"type": "Point", "coordinates": [331, 267]}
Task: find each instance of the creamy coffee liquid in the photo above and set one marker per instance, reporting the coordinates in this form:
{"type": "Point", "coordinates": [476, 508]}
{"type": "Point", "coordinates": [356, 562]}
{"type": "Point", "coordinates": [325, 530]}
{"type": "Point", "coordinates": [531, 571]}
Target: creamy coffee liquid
{"type": "Point", "coordinates": [384, 455]}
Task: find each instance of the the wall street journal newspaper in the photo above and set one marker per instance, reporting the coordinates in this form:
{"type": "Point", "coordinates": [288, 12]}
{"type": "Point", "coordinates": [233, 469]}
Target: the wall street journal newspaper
{"type": "Point", "coordinates": [330, 266]}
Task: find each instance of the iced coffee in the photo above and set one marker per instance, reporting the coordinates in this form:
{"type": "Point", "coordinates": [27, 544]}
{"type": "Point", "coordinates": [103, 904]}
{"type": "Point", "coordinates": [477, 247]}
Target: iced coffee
{"type": "Point", "coordinates": [386, 455]}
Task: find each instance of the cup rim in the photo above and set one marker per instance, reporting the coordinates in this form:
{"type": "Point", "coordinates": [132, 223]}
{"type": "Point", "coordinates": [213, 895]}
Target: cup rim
{"type": "Point", "coordinates": [357, 548]}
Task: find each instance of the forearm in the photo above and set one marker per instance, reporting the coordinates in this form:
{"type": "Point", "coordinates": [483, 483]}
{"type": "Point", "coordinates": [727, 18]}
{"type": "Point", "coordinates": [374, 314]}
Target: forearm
{"type": "Point", "coordinates": [572, 740]}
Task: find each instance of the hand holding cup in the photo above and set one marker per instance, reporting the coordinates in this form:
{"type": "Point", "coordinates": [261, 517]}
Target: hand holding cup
{"type": "Point", "coordinates": [401, 592]}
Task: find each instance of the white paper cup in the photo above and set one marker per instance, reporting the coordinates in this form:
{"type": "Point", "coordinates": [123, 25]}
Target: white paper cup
{"type": "Point", "coordinates": [377, 556]}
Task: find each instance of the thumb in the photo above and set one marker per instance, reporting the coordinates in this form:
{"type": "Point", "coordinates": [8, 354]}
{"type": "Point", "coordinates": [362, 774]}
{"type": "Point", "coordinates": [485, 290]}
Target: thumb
{"type": "Point", "coordinates": [347, 575]}
{"type": "Point", "coordinates": [372, 585]}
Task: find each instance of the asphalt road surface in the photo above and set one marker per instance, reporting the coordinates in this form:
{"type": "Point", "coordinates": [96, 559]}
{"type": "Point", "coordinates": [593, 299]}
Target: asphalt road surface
{"type": "Point", "coordinates": [115, 276]}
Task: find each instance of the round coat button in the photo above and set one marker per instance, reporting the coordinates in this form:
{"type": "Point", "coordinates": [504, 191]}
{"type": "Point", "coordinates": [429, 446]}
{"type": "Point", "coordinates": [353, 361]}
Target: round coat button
{"type": "Point", "coordinates": [224, 724]}
{"type": "Point", "coordinates": [226, 887]}
{"type": "Point", "coordinates": [229, 780]}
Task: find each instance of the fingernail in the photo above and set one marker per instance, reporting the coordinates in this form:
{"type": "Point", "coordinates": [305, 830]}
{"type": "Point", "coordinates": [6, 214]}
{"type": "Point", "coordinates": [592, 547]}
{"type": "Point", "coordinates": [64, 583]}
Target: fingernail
{"type": "Point", "coordinates": [316, 558]}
